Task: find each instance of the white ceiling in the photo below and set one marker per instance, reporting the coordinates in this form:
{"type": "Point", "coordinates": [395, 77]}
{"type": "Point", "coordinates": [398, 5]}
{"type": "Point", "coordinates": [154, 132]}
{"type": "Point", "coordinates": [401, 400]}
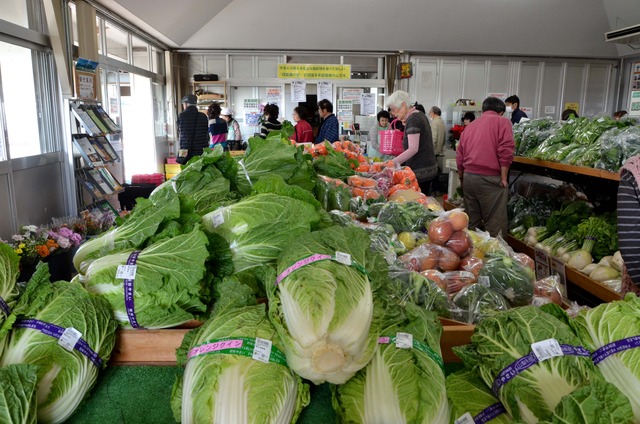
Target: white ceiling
{"type": "Point", "coordinates": [504, 27]}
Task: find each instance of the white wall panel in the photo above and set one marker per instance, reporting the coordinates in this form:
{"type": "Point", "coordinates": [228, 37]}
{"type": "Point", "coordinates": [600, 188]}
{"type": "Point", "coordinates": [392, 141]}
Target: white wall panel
{"type": "Point", "coordinates": [216, 65]}
{"type": "Point", "coordinates": [268, 66]}
{"type": "Point", "coordinates": [241, 66]}
{"type": "Point", "coordinates": [499, 81]}
{"type": "Point", "coordinates": [426, 81]}
{"type": "Point", "coordinates": [451, 81]}
{"type": "Point", "coordinates": [597, 90]}
{"type": "Point", "coordinates": [550, 102]}
{"type": "Point", "coordinates": [474, 80]}
{"type": "Point", "coordinates": [573, 84]}
{"type": "Point", "coordinates": [528, 86]}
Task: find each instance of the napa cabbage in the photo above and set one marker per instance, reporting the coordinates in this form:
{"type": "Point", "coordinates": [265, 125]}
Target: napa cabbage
{"type": "Point", "coordinates": [64, 376]}
{"type": "Point", "coordinates": [18, 394]}
{"type": "Point", "coordinates": [503, 338]}
{"type": "Point", "coordinates": [325, 311]}
{"type": "Point", "coordinates": [399, 385]}
{"type": "Point", "coordinates": [259, 226]}
{"type": "Point", "coordinates": [468, 394]}
{"type": "Point", "coordinates": [168, 287]}
{"type": "Point", "coordinates": [9, 265]}
{"type": "Point", "coordinates": [608, 323]}
{"type": "Point", "coordinates": [232, 388]}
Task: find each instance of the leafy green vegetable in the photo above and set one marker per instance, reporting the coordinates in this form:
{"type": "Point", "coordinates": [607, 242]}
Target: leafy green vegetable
{"type": "Point", "coordinates": [599, 235]}
{"type": "Point", "coordinates": [501, 339]}
{"type": "Point", "coordinates": [468, 393]}
{"type": "Point", "coordinates": [9, 270]}
{"type": "Point", "coordinates": [18, 394]}
{"type": "Point", "coordinates": [568, 217]}
{"type": "Point", "coordinates": [334, 164]}
{"type": "Point", "coordinates": [325, 311]}
{"type": "Point", "coordinates": [333, 194]}
{"type": "Point", "coordinates": [64, 377]}
{"type": "Point", "coordinates": [399, 385]}
{"type": "Point", "coordinates": [410, 286]}
{"type": "Point", "coordinates": [259, 226]}
{"type": "Point", "coordinates": [167, 288]}
{"type": "Point", "coordinates": [476, 301]}
{"type": "Point", "coordinates": [231, 388]}
{"type": "Point", "coordinates": [597, 402]}
{"type": "Point", "coordinates": [408, 216]}
{"type": "Point", "coordinates": [611, 322]}
{"type": "Point", "coordinates": [509, 278]}
{"type": "Point", "coordinates": [273, 156]}
{"type": "Point", "coordinates": [142, 223]}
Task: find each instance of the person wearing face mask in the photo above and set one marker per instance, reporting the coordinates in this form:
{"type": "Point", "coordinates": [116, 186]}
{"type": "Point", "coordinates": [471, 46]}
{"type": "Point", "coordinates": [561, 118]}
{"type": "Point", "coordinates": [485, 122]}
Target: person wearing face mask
{"type": "Point", "coordinates": [513, 106]}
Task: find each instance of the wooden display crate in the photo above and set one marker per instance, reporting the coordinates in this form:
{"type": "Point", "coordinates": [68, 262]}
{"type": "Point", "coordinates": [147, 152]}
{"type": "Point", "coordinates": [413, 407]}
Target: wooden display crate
{"type": "Point", "coordinates": [158, 347]}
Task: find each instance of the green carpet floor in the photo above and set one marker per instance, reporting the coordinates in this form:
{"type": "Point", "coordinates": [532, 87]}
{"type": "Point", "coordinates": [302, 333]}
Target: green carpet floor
{"type": "Point", "coordinates": [140, 395]}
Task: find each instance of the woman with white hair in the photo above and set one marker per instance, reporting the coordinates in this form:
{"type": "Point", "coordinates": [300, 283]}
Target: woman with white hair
{"type": "Point", "coordinates": [417, 143]}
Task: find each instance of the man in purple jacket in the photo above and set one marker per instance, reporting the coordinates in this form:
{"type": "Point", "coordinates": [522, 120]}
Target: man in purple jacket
{"type": "Point", "coordinates": [483, 158]}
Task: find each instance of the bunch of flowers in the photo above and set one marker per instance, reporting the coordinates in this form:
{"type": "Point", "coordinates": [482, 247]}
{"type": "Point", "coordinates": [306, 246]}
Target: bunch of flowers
{"type": "Point", "coordinates": [97, 221]}
{"type": "Point", "coordinates": [454, 134]}
{"type": "Point", "coordinates": [36, 243]}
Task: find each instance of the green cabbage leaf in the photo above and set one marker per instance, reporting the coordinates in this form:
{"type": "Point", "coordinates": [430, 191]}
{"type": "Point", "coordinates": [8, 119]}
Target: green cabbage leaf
{"type": "Point", "coordinates": [231, 388]}
{"type": "Point", "coordinates": [501, 339]}
{"type": "Point", "coordinates": [468, 393]}
{"type": "Point", "coordinates": [168, 287]}
{"type": "Point", "coordinates": [18, 394]}
{"type": "Point", "coordinates": [325, 311]}
{"type": "Point", "coordinates": [611, 322]}
{"type": "Point", "coordinates": [64, 377]}
{"type": "Point", "coordinates": [399, 385]}
{"type": "Point", "coordinates": [9, 270]}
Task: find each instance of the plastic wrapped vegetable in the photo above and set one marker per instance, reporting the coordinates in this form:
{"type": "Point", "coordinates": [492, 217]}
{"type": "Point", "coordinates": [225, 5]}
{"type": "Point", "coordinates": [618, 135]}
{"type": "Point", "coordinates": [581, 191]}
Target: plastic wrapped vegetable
{"type": "Point", "coordinates": [509, 278]}
{"type": "Point", "coordinates": [547, 290]}
{"type": "Point", "coordinates": [333, 194]}
{"type": "Point", "coordinates": [420, 290]}
{"type": "Point", "coordinates": [476, 301]}
{"type": "Point", "coordinates": [408, 216]}
{"type": "Point", "coordinates": [430, 256]}
{"type": "Point", "coordinates": [455, 281]}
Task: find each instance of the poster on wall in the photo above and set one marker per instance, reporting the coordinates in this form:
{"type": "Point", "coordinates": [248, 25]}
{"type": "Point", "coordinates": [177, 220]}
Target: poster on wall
{"type": "Point", "coordinates": [345, 113]}
{"type": "Point", "coordinates": [572, 105]}
{"type": "Point", "coordinates": [501, 96]}
{"type": "Point", "coordinates": [252, 118]}
{"type": "Point", "coordinates": [352, 94]}
{"type": "Point", "coordinates": [325, 90]}
{"type": "Point", "coordinates": [635, 76]}
{"type": "Point", "coordinates": [368, 104]}
{"type": "Point", "coordinates": [274, 94]}
{"type": "Point", "coordinates": [298, 91]}
{"type": "Point", "coordinates": [634, 105]}
{"type": "Point", "coordinates": [251, 103]}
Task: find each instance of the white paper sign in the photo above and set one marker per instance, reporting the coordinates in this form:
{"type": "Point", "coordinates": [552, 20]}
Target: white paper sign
{"type": "Point", "coordinates": [69, 338]}
{"type": "Point", "coordinates": [368, 104]}
{"type": "Point", "coordinates": [325, 90]}
{"type": "Point", "coordinates": [262, 350]}
{"type": "Point", "coordinates": [465, 419]}
{"type": "Point", "coordinates": [542, 264]}
{"type": "Point", "coordinates": [550, 110]}
{"type": "Point", "coordinates": [546, 349]}
{"type": "Point", "coordinates": [528, 111]}
{"type": "Point", "coordinates": [251, 103]}
{"type": "Point", "coordinates": [404, 340]}
{"type": "Point", "coordinates": [343, 258]}
{"type": "Point", "coordinates": [352, 94]}
{"type": "Point", "coordinates": [273, 93]}
{"type": "Point", "coordinates": [126, 272]}
{"type": "Point", "coordinates": [298, 91]}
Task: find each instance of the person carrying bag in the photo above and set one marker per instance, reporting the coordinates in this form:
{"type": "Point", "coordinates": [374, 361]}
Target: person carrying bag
{"type": "Point", "coordinates": [192, 130]}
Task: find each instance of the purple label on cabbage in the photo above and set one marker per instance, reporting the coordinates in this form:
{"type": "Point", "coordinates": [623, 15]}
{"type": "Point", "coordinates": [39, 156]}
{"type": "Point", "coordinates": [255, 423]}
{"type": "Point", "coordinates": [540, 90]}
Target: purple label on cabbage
{"type": "Point", "coordinates": [128, 293]}
{"type": "Point", "coordinates": [615, 347]}
{"type": "Point", "coordinates": [56, 331]}
{"type": "Point", "coordinates": [489, 413]}
{"type": "Point", "coordinates": [527, 362]}
{"type": "Point", "coordinates": [4, 307]}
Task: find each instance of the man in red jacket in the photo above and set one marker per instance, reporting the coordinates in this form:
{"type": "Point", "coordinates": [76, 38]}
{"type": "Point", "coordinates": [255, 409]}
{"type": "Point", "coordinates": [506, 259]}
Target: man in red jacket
{"type": "Point", "coordinates": [483, 158]}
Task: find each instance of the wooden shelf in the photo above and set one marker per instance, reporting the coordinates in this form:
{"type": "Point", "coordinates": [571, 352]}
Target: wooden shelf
{"type": "Point", "coordinates": [158, 347]}
{"type": "Point", "coordinates": [528, 164]}
{"type": "Point", "coordinates": [573, 276]}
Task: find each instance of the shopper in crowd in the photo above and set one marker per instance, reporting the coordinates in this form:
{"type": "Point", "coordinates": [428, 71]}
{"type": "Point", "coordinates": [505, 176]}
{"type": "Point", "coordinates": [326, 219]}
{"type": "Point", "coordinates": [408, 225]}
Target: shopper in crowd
{"type": "Point", "coordinates": [329, 128]}
{"type": "Point", "coordinates": [373, 143]}
{"type": "Point", "coordinates": [629, 223]}
{"type": "Point", "coordinates": [417, 142]}
{"type": "Point", "coordinates": [468, 118]}
{"type": "Point", "coordinates": [302, 132]}
{"type": "Point", "coordinates": [568, 114]}
{"type": "Point", "coordinates": [619, 115]}
{"type": "Point", "coordinates": [217, 127]}
{"type": "Point", "coordinates": [420, 108]}
{"type": "Point", "coordinates": [513, 105]}
{"type": "Point", "coordinates": [438, 129]}
{"type": "Point", "coordinates": [192, 128]}
{"type": "Point", "coordinates": [234, 136]}
{"type": "Point", "coordinates": [270, 119]}
{"type": "Point", "coordinates": [483, 158]}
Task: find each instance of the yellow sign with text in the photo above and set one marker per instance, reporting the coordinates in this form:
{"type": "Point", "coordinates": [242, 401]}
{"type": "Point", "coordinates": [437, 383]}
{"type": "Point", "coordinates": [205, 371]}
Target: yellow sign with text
{"type": "Point", "coordinates": [324, 72]}
{"type": "Point", "coordinates": [572, 105]}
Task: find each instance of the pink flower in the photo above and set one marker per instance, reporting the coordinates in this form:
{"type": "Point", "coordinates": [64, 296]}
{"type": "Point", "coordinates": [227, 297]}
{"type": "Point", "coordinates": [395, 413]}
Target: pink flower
{"type": "Point", "coordinates": [64, 243]}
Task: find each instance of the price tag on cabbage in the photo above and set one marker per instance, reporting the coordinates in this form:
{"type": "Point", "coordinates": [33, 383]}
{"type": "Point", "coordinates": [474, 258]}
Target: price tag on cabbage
{"type": "Point", "coordinates": [343, 258]}
{"type": "Point", "coordinates": [547, 349]}
{"type": "Point", "coordinates": [126, 272]}
{"type": "Point", "coordinates": [218, 219]}
{"type": "Point", "coordinates": [69, 338]}
{"type": "Point", "coordinates": [404, 340]}
{"type": "Point", "coordinates": [465, 419]}
{"type": "Point", "coordinates": [262, 350]}
{"type": "Point", "coordinates": [484, 280]}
